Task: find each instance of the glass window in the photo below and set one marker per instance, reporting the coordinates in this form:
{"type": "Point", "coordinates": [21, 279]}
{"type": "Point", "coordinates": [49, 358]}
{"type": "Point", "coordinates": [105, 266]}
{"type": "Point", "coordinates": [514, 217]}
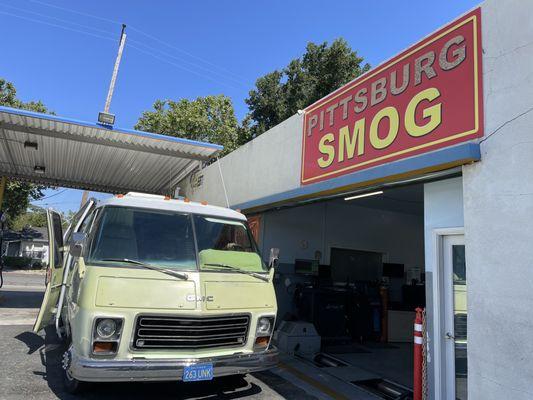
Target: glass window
{"type": "Point", "coordinates": [85, 225]}
{"type": "Point", "coordinates": [225, 241]}
{"type": "Point", "coordinates": [151, 236]}
{"type": "Point", "coordinates": [74, 221]}
{"type": "Point", "coordinates": [58, 240]}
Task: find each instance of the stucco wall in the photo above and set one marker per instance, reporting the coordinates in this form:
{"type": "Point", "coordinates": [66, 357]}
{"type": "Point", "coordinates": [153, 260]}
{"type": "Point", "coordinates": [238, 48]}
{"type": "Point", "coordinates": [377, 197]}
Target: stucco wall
{"type": "Point", "coordinates": [498, 211]}
{"type": "Point", "coordinates": [443, 208]}
{"type": "Point", "coordinates": [268, 164]}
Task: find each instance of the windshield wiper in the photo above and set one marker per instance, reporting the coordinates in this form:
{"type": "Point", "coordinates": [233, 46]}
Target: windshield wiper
{"type": "Point", "coordinates": [241, 271]}
{"type": "Point", "coordinates": [167, 271]}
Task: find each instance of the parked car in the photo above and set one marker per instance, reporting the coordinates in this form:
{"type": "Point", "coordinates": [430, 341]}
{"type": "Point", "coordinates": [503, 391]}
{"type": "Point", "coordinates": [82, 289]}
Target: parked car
{"type": "Point", "coordinates": [150, 288]}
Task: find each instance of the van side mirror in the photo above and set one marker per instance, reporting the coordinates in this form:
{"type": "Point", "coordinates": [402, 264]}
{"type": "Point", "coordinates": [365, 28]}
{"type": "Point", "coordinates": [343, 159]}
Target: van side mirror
{"type": "Point", "coordinates": [273, 260]}
{"type": "Point", "coordinates": [77, 244]}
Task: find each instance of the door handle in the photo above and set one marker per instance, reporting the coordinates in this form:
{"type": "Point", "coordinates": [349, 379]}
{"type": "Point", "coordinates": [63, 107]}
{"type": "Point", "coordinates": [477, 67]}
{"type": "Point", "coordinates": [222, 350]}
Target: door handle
{"type": "Point", "coordinates": [450, 336]}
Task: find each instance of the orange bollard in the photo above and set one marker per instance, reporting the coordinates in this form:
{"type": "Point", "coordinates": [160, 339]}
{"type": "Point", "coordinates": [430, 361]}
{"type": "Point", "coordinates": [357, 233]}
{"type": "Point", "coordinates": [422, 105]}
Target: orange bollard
{"type": "Point", "coordinates": [418, 343]}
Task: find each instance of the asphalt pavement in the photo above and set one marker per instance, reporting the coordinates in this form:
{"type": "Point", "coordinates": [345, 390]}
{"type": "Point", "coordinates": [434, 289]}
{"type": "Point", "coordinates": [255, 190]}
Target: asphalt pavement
{"type": "Point", "coordinates": [30, 363]}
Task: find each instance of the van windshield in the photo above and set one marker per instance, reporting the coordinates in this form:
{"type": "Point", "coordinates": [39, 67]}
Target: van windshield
{"type": "Point", "coordinates": [224, 243]}
{"type": "Point", "coordinates": [153, 237]}
{"type": "Point", "coordinates": [167, 239]}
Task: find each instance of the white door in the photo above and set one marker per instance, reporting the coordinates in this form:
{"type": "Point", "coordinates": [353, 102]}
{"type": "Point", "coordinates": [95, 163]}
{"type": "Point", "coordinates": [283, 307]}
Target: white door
{"type": "Point", "coordinates": [455, 315]}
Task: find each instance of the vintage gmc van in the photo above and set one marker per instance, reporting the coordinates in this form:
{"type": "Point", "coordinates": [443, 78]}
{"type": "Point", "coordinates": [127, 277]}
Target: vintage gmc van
{"type": "Point", "coordinates": [144, 287]}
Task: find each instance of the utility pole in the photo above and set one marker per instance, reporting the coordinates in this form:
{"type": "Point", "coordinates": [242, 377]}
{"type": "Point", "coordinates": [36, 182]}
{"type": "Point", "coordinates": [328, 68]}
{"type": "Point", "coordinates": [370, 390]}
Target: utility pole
{"type": "Point", "coordinates": [84, 198]}
{"type": "Point", "coordinates": [122, 42]}
{"type": "Point", "coordinates": [105, 117]}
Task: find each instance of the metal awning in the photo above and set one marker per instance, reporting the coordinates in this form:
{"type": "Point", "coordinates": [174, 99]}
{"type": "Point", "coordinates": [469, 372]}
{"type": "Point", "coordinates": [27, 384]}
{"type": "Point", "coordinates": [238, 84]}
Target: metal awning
{"type": "Point", "coordinates": [57, 151]}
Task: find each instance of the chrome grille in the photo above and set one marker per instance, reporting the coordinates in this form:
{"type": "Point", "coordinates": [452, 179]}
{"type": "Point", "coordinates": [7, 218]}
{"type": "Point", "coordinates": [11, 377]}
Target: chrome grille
{"type": "Point", "coordinates": [169, 332]}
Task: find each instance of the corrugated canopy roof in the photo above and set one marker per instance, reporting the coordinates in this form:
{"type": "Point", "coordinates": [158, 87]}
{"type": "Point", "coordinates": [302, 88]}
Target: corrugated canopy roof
{"type": "Point", "coordinates": [90, 156]}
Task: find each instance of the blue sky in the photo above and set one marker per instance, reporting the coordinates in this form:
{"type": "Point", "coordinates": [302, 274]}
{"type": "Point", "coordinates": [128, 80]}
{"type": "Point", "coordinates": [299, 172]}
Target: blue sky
{"type": "Point", "coordinates": [62, 52]}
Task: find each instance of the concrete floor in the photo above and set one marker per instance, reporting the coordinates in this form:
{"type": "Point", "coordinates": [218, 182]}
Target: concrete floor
{"type": "Point", "coordinates": [393, 362]}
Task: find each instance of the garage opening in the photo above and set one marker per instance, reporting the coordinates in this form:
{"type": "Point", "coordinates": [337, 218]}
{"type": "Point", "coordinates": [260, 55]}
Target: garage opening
{"type": "Point", "coordinates": [354, 268]}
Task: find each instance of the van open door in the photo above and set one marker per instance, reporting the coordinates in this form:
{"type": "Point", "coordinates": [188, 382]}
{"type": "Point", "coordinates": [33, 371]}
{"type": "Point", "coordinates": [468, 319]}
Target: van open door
{"type": "Point", "coordinates": [55, 271]}
{"type": "Point", "coordinates": [76, 223]}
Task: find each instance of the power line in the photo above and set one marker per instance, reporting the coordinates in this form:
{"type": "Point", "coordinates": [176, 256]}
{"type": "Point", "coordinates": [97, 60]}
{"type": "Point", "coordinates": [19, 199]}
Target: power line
{"type": "Point", "coordinates": [181, 50]}
{"type": "Point", "coordinates": [188, 62]}
{"type": "Point", "coordinates": [139, 43]}
{"type": "Point", "coordinates": [181, 67]}
{"type": "Point", "coordinates": [58, 19]}
{"type": "Point", "coordinates": [131, 27]}
{"type": "Point", "coordinates": [56, 26]}
{"type": "Point", "coordinates": [74, 11]}
{"type": "Point", "coordinates": [52, 195]}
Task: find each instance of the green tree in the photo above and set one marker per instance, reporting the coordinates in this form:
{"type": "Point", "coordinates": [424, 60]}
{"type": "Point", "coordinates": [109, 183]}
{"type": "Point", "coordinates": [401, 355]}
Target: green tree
{"type": "Point", "coordinates": [34, 217]}
{"type": "Point", "coordinates": [8, 97]}
{"type": "Point", "coordinates": [17, 198]}
{"type": "Point", "coordinates": [18, 195]}
{"type": "Point", "coordinates": [281, 93]}
{"type": "Point", "coordinates": [209, 119]}
{"type": "Point", "coordinates": [66, 219]}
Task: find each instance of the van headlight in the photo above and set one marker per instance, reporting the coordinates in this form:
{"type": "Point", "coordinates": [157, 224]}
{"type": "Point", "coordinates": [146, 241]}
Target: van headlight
{"type": "Point", "coordinates": [264, 326]}
{"type": "Point", "coordinates": [263, 332]}
{"type": "Point", "coordinates": [106, 336]}
{"type": "Point", "coordinates": [106, 328]}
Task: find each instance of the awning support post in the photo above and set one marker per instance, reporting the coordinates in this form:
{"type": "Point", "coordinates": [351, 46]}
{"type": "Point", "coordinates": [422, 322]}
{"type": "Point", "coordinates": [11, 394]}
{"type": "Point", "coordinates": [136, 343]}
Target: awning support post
{"type": "Point", "coordinates": [3, 183]}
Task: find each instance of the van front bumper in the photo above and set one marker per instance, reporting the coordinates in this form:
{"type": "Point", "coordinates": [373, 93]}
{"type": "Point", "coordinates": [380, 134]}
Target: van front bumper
{"type": "Point", "coordinates": [91, 370]}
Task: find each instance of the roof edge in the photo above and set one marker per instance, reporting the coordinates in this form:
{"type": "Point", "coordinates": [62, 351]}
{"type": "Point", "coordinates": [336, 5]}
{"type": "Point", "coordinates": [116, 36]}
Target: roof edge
{"type": "Point", "coordinates": [157, 136]}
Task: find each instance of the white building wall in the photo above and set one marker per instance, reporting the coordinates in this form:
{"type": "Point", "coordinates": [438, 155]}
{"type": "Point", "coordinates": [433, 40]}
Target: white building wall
{"type": "Point", "coordinates": [443, 208]}
{"type": "Point", "coordinates": [498, 208]}
{"type": "Point", "coordinates": [268, 164]}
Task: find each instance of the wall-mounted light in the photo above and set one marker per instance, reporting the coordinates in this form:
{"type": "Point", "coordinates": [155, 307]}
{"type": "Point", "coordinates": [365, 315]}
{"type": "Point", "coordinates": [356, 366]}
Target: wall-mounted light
{"type": "Point", "coordinates": [30, 145]}
{"type": "Point", "coordinates": [364, 195]}
{"type": "Point", "coordinates": [106, 118]}
{"type": "Point", "coordinates": [39, 169]}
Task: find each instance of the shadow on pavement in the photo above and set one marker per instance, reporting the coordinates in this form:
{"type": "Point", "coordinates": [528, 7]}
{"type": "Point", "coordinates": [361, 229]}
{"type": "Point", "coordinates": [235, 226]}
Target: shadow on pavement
{"type": "Point", "coordinates": [233, 387]}
{"type": "Point", "coordinates": [32, 340]}
{"type": "Point", "coordinates": [21, 299]}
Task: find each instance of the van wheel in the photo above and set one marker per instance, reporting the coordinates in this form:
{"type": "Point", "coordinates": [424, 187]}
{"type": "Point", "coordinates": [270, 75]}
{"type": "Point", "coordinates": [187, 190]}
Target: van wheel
{"type": "Point", "coordinates": [66, 331]}
{"type": "Point", "coordinates": [71, 384]}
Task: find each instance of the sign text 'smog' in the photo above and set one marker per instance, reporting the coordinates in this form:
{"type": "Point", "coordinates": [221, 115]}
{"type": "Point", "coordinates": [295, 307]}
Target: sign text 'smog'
{"type": "Point", "coordinates": [427, 97]}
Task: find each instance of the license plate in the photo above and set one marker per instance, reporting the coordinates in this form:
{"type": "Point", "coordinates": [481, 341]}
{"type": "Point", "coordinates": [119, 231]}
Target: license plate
{"type": "Point", "coordinates": [198, 372]}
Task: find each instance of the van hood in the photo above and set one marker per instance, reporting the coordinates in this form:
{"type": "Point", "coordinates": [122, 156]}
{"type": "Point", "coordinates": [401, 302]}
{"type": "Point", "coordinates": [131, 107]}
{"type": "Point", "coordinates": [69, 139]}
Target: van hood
{"type": "Point", "coordinates": [145, 293]}
{"type": "Point", "coordinates": [208, 291]}
{"type": "Point", "coordinates": [235, 294]}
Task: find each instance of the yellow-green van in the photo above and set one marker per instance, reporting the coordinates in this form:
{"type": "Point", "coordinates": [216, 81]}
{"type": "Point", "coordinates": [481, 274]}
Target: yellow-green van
{"type": "Point", "coordinates": [148, 288]}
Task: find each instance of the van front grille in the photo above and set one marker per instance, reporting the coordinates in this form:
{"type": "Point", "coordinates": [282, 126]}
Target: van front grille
{"type": "Point", "coordinates": [169, 332]}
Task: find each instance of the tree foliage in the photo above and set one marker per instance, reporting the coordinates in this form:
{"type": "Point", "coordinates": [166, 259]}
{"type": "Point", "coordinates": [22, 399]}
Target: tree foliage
{"type": "Point", "coordinates": [281, 93]}
{"type": "Point", "coordinates": [209, 119]}
{"type": "Point", "coordinates": [34, 217]}
{"type": "Point", "coordinates": [18, 195]}
{"type": "Point", "coordinates": [17, 198]}
{"type": "Point", "coordinates": [8, 97]}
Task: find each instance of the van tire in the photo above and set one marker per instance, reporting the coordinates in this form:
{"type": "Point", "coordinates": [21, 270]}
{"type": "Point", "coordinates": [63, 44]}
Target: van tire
{"type": "Point", "coordinates": [71, 384]}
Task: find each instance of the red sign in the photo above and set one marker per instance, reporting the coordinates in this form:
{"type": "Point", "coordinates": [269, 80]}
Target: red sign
{"type": "Point", "coordinates": [426, 98]}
